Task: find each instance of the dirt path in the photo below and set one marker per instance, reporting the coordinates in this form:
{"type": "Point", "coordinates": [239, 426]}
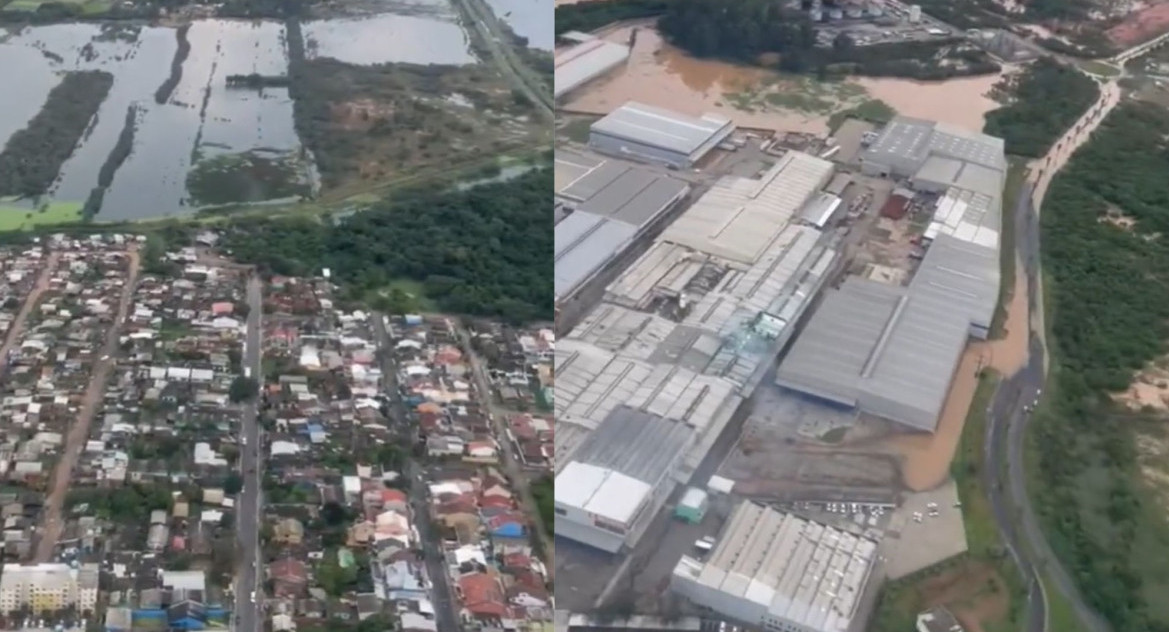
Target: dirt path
{"type": "Point", "coordinates": [30, 302]}
{"type": "Point", "coordinates": [79, 433]}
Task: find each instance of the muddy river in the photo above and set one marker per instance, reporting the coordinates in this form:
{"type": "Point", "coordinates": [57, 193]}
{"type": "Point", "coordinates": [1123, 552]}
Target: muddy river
{"type": "Point", "coordinates": [660, 74]}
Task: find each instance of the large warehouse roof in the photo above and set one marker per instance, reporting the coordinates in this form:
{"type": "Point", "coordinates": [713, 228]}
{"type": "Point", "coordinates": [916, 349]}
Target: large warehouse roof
{"type": "Point", "coordinates": [911, 141]}
{"type": "Point", "coordinates": [886, 348]}
{"type": "Point", "coordinates": [658, 127]}
{"type": "Point", "coordinates": [584, 62]}
{"type": "Point", "coordinates": [614, 203]}
{"type": "Point", "coordinates": [802, 571]}
{"type": "Point", "coordinates": [738, 218]}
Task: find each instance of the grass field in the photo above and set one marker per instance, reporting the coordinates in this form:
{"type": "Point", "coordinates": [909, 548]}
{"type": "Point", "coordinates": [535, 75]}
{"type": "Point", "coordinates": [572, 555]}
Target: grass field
{"type": "Point", "coordinates": [18, 218]}
{"type": "Point", "coordinates": [88, 7]}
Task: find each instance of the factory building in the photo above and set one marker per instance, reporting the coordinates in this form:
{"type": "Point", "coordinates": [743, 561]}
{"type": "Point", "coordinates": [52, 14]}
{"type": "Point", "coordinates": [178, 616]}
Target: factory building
{"type": "Point", "coordinates": [650, 378]}
{"type": "Point", "coordinates": [589, 59]}
{"type": "Point", "coordinates": [780, 572]}
{"type": "Point", "coordinates": [603, 207]}
{"type": "Point", "coordinates": [892, 350]}
{"type": "Point", "coordinates": [650, 134]}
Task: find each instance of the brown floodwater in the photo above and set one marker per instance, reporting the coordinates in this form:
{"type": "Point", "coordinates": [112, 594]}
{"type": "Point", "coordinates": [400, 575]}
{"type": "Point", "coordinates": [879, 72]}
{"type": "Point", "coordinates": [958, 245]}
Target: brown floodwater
{"type": "Point", "coordinates": [660, 74]}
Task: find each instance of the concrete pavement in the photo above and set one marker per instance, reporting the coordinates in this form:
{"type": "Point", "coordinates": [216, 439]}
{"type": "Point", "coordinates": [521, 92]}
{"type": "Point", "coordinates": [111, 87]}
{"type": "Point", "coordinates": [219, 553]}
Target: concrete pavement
{"type": "Point", "coordinates": [248, 614]}
{"type": "Point", "coordinates": [445, 607]}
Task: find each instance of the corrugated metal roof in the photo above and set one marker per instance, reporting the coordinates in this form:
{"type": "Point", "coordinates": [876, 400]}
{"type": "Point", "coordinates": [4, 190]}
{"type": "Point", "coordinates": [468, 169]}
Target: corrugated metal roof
{"type": "Point", "coordinates": [868, 342]}
{"type": "Point", "coordinates": [658, 127]}
{"type": "Point", "coordinates": [601, 491]}
{"type": "Point", "coordinates": [584, 244]}
{"type": "Point", "coordinates": [585, 62]}
{"type": "Point", "coordinates": [808, 573]}
{"type": "Point", "coordinates": [638, 444]}
{"type": "Point", "coordinates": [738, 218]}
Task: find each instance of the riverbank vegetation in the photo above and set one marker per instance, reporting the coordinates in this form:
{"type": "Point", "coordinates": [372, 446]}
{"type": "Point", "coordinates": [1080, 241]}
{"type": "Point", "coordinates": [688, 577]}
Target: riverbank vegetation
{"type": "Point", "coordinates": [33, 156]}
{"type": "Point", "coordinates": [1099, 467]}
{"type": "Point", "coordinates": [590, 16]}
{"type": "Point", "coordinates": [482, 251]}
{"type": "Point", "coordinates": [372, 123]}
{"type": "Point", "coordinates": [114, 160]}
{"type": "Point", "coordinates": [1042, 103]}
{"type": "Point", "coordinates": [765, 32]}
{"type": "Point", "coordinates": [162, 95]}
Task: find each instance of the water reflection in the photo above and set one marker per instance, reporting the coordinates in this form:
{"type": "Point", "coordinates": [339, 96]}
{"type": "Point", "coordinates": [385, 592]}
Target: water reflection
{"type": "Point", "coordinates": [389, 38]}
{"type": "Point", "coordinates": [528, 19]}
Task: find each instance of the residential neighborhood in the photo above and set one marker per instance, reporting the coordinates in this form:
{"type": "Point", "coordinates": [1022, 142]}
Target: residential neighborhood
{"type": "Point", "coordinates": [393, 453]}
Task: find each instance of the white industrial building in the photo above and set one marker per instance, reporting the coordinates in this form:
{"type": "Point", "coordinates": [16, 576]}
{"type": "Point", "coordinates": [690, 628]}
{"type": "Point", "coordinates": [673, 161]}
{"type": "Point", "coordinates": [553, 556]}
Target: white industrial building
{"type": "Point", "coordinates": [603, 207]}
{"type": "Point", "coordinates": [780, 572]}
{"type": "Point", "coordinates": [584, 62]}
{"type": "Point", "coordinates": [651, 134]}
{"type": "Point", "coordinates": [890, 350]}
{"type": "Point", "coordinates": [648, 380]}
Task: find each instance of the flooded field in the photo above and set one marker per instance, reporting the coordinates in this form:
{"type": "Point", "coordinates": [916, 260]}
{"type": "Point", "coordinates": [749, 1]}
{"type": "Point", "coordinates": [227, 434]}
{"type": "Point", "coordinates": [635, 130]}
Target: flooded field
{"type": "Point", "coordinates": [433, 37]}
{"type": "Point", "coordinates": [528, 19]}
{"type": "Point", "coordinates": [660, 74]}
{"type": "Point", "coordinates": [204, 127]}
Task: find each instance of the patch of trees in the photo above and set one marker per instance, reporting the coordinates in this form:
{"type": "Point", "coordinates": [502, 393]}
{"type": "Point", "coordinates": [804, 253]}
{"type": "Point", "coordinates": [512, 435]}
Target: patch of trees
{"type": "Point", "coordinates": [590, 16]}
{"type": "Point", "coordinates": [129, 504]}
{"type": "Point", "coordinates": [34, 155]}
{"type": "Point", "coordinates": [1044, 101]}
{"type": "Point", "coordinates": [1110, 318]}
{"type": "Point", "coordinates": [544, 493]}
{"type": "Point", "coordinates": [756, 31]}
{"type": "Point", "coordinates": [114, 160]}
{"type": "Point", "coordinates": [483, 251]}
{"type": "Point", "coordinates": [162, 95]}
{"type": "Point", "coordinates": [256, 81]}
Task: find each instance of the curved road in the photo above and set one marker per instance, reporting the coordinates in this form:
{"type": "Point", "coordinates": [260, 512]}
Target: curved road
{"type": "Point", "coordinates": [1004, 472]}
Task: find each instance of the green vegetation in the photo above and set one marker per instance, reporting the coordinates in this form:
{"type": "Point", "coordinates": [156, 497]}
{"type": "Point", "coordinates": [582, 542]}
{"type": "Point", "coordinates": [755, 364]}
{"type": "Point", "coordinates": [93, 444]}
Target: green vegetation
{"type": "Point", "coordinates": [243, 389]}
{"type": "Point", "coordinates": [768, 33]}
{"type": "Point", "coordinates": [1044, 101]}
{"type": "Point", "coordinates": [1109, 320]}
{"type": "Point", "coordinates": [13, 218]}
{"type": "Point", "coordinates": [544, 492]}
{"type": "Point", "coordinates": [874, 111]}
{"type": "Point", "coordinates": [377, 122]}
{"type": "Point", "coordinates": [129, 504]}
{"type": "Point", "coordinates": [590, 16]}
{"type": "Point", "coordinates": [482, 251]}
{"type": "Point", "coordinates": [250, 176]}
{"type": "Point", "coordinates": [34, 155]}
{"type": "Point", "coordinates": [1008, 252]}
{"type": "Point", "coordinates": [162, 95]}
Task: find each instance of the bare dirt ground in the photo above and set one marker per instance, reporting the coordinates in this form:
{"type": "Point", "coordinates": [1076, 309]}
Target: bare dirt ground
{"type": "Point", "coordinates": [1141, 25]}
{"type": "Point", "coordinates": [52, 522]}
{"type": "Point", "coordinates": [1149, 389]}
{"type": "Point", "coordinates": [30, 302]}
{"type": "Point", "coordinates": [972, 591]}
{"type": "Point", "coordinates": [926, 458]}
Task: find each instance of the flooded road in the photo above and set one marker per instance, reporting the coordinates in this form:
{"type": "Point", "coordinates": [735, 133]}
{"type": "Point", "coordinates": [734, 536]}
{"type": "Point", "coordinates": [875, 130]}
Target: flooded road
{"type": "Point", "coordinates": [660, 74]}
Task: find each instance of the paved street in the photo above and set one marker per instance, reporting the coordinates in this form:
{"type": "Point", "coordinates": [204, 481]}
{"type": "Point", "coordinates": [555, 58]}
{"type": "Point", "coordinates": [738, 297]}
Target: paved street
{"type": "Point", "coordinates": [511, 466]}
{"type": "Point", "coordinates": [446, 617]}
{"type": "Point", "coordinates": [248, 617]}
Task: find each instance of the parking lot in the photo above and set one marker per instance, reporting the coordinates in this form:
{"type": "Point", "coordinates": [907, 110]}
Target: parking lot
{"type": "Point", "coordinates": [919, 535]}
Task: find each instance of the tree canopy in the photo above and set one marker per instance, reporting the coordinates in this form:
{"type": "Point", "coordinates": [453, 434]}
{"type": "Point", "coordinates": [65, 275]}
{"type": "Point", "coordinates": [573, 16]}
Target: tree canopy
{"type": "Point", "coordinates": [483, 251]}
{"type": "Point", "coordinates": [1045, 100]}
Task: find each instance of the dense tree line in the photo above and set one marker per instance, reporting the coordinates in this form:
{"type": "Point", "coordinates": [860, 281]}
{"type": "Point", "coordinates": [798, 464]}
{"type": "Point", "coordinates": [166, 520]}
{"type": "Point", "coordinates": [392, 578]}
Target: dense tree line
{"type": "Point", "coordinates": [590, 16]}
{"type": "Point", "coordinates": [34, 155]}
{"type": "Point", "coordinates": [1044, 101]}
{"type": "Point", "coordinates": [755, 31]}
{"type": "Point", "coordinates": [1110, 318]}
{"type": "Point", "coordinates": [484, 251]}
{"type": "Point", "coordinates": [162, 95]}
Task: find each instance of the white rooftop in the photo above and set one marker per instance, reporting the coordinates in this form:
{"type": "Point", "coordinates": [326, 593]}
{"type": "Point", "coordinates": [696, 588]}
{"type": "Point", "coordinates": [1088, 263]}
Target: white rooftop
{"type": "Point", "coordinates": [600, 491]}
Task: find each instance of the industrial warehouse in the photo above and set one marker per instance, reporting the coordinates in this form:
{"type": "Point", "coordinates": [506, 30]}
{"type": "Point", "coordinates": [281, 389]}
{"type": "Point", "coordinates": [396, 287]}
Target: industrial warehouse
{"type": "Point", "coordinates": [781, 572]}
{"type": "Point", "coordinates": [649, 379]}
{"type": "Point", "coordinates": [587, 59]}
{"type": "Point", "coordinates": [602, 207]}
{"type": "Point", "coordinates": [652, 134]}
{"type": "Point", "coordinates": [891, 351]}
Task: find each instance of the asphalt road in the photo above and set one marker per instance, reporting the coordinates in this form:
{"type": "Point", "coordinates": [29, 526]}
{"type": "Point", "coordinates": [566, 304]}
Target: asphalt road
{"type": "Point", "coordinates": [445, 607]}
{"type": "Point", "coordinates": [1004, 473]}
{"type": "Point", "coordinates": [488, 28]}
{"type": "Point", "coordinates": [248, 617]}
